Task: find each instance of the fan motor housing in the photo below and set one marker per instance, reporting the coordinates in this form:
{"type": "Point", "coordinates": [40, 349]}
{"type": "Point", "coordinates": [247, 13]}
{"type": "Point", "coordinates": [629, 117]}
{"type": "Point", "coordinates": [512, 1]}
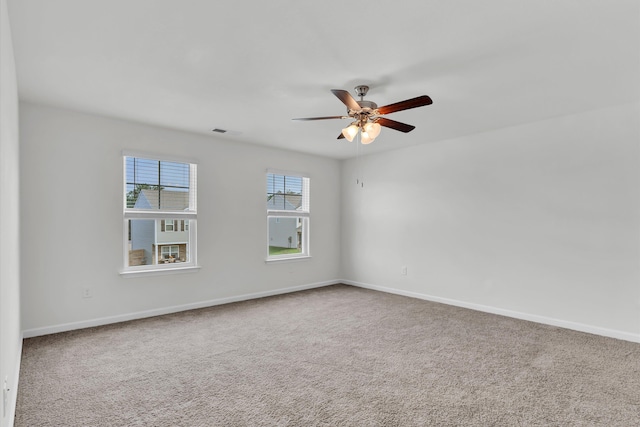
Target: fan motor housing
{"type": "Point", "coordinates": [367, 104]}
{"type": "Point", "coordinates": [367, 110]}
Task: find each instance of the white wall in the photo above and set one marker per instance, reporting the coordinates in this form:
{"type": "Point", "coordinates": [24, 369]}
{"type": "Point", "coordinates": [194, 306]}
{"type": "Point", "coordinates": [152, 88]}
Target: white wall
{"type": "Point", "coordinates": [540, 221]}
{"type": "Point", "coordinates": [10, 332]}
{"type": "Point", "coordinates": [71, 195]}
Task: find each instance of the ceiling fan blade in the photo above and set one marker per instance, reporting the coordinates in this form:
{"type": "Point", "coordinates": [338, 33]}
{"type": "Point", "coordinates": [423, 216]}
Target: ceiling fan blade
{"type": "Point", "coordinates": [346, 98]}
{"type": "Point", "coordinates": [341, 136]}
{"type": "Point", "coordinates": [402, 127]}
{"type": "Point", "coordinates": [322, 118]}
{"type": "Point", "coordinates": [420, 101]}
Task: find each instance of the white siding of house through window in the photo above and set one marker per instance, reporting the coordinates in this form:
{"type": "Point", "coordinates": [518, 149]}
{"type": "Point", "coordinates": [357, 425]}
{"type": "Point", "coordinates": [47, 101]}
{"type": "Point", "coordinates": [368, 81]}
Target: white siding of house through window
{"type": "Point", "coordinates": [281, 231]}
{"type": "Point", "coordinates": [175, 236]}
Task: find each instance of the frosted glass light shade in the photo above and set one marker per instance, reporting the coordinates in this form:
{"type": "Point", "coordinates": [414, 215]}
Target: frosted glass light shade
{"type": "Point", "coordinates": [373, 129]}
{"type": "Point", "coordinates": [366, 138]}
{"type": "Point", "coordinates": [350, 132]}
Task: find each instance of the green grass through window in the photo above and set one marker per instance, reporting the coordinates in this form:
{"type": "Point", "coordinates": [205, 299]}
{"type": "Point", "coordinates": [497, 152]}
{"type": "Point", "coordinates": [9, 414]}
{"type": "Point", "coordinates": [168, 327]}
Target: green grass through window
{"type": "Point", "coordinates": [276, 250]}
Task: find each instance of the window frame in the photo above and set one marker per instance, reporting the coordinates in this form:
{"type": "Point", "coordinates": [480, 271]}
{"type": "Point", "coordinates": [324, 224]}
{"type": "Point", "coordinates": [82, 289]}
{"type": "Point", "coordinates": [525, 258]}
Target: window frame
{"type": "Point", "coordinates": [189, 215]}
{"type": "Point", "coordinates": [303, 216]}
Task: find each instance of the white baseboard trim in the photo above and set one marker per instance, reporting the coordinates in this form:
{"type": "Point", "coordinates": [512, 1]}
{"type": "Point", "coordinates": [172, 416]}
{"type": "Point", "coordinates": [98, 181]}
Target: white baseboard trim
{"type": "Point", "coordinates": [13, 392]}
{"type": "Point", "coordinates": [30, 333]}
{"type": "Point", "coordinates": [581, 327]}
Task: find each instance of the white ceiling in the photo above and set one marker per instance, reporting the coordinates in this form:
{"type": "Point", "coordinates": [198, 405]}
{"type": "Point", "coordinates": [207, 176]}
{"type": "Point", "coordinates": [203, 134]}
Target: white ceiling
{"type": "Point", "coordinates": [252, 66]}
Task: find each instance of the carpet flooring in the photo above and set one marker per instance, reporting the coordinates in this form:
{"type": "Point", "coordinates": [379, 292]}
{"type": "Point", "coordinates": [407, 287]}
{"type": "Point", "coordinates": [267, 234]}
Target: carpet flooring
{"type": "Point", "coordinates": [333, 356]}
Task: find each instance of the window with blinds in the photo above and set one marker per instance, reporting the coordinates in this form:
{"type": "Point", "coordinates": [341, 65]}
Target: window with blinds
{"type": "Point", "coordinates": [287, 215]}
{"type": "Point", "coordinates": [160, 214]}
{"type": "Point", "coordinates": [168, 186]}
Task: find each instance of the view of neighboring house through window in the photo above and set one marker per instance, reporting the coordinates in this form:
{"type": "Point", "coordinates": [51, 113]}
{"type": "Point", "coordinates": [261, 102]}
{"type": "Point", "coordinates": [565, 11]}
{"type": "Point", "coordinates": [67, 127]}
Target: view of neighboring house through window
{"type": "Point", "coordinates": [159, 214]}
{"type": "Point", "coordinates": [169, 252]}
{"type": "Point", "coordinates": [287, 215]}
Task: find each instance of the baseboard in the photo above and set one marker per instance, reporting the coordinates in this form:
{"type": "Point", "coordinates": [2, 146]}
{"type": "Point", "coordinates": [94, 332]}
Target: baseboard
{"type": "Point", "coordinates": [596, 330]}
{"type": "Point", "coordinates": [13, 393]}
{"type": "Point", "coordinates": [611, 333]}
{"type": "Point", "coordinates": [30, 333]}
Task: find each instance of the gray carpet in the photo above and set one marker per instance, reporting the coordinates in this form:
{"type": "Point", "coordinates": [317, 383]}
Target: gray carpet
{"type": "Point", "coordinates": [334, 356]}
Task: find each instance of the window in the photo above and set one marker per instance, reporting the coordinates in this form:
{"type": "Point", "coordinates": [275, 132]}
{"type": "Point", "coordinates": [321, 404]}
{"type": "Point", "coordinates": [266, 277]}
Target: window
{"type": "Point", "coordinates": [160, 214]}
{"type": "Point", "coordinates": [287, 215]}
{"type": "Point", "coordinates": [173, 225]}
{"type": "Point", "coordinates": [170, 253]}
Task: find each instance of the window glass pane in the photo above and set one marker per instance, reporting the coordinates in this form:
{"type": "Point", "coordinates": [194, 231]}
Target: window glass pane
{"type": "Point", "coordinates": [151, 243]}
{"type": "Point", "coordinates": [285, 235]}
{"type": "Point", "coordinates": [174, 175]}
{"type": "Point", "coordinates": [284, 192]}
{"type": "Point", "coordinates": [155, 184]}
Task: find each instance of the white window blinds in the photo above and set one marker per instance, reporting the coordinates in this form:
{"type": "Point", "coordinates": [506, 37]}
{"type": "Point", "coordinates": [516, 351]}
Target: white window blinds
{"type": "Point", "coordinates": [160, 185]}
{"type": "Point", "coordinates": [287, 193]}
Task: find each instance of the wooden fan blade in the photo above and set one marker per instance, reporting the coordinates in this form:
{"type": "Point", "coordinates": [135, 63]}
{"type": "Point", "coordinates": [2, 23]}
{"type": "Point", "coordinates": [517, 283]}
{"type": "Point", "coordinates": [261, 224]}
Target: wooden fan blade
{"type": "Point", "coordinates": [346, 99]}
{"type": "Point", "coordinates": [341, 136]}
{"type": "Point", "coordinates": [420, 101]}
{"type": "Point", "coordinates": [402, 127]}
{"type": "Point", "coordinates": [322, 118]}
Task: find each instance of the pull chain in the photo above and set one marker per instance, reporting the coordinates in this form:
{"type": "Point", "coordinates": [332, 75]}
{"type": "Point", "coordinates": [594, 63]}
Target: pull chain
{"type": "Point", "coordinates": [359, 180]}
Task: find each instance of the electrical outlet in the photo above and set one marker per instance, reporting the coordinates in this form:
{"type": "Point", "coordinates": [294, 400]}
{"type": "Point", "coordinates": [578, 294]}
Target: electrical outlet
{"type": "Point", "coordinates": [86, 293]}
{"type": "Point", "coordinates": [403, 270]}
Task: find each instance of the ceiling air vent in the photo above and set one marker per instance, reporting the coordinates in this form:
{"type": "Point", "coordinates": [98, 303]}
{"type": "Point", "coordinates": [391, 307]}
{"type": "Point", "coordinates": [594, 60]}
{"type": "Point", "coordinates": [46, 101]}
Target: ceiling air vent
{"type": "Point", "coordinates": [226, 132]}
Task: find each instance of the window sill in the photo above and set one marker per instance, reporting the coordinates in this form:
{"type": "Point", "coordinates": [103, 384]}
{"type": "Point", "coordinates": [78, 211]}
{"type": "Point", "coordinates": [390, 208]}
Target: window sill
{"type": "Point", "coordinates": [159, 271]}
{"type": "Point", "coordinates": [287, 259]}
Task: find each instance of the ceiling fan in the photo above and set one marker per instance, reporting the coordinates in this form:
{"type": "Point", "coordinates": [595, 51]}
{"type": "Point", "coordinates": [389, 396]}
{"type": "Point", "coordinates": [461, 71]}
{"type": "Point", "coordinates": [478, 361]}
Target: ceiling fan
{"type": "Point", "coordinates": [368, 116]}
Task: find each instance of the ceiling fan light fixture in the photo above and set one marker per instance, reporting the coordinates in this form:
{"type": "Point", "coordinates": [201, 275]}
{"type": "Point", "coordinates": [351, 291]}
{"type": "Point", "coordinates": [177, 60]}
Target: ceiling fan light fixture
{"type": "Point", "coordinates": [350, 132]}
{"type": "Point", "coordinates": [373, 130]}
{"type": "Point", "coordinates": [368, 116]}
{"type": "Point", "coordinates": [366, 138]}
